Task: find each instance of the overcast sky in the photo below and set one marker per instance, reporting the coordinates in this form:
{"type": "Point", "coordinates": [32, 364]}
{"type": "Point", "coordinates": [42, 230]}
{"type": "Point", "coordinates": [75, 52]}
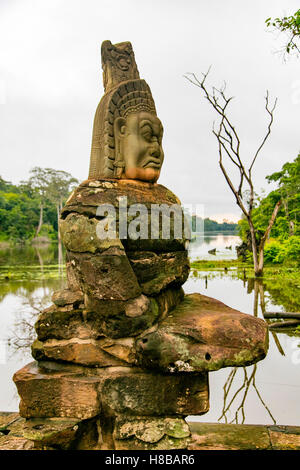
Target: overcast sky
{"type": "Point", "coordinates": [51, 83]}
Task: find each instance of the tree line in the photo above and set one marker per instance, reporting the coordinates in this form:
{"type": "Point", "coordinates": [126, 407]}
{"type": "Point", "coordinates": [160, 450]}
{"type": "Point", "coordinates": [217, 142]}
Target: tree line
{"type": "Point", "coordinates": [31, 209]}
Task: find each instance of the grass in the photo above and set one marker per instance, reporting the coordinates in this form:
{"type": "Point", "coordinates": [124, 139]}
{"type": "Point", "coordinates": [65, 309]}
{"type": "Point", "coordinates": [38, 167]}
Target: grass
{"type": "Point", "coordinates": [270, 270]}
{"type": "Point", "coordinates": [26, 273]}
{"type": "Point", "coordinates": [218, 264]}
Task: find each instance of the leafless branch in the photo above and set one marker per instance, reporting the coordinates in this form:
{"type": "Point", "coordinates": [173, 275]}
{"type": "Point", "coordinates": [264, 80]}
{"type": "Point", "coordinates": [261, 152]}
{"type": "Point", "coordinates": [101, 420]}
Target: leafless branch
{"type": "Point", "coordinates": [270, 112]}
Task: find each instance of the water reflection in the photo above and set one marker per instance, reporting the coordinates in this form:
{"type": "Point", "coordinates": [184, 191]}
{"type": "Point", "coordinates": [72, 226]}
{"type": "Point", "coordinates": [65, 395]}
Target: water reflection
{"type": "Point", "coordinates": [266, 392]}
{"type": "Point", "coordinates": [241, 393]}
{"type": "Point", "coordinates": [223, 246]}
{"type": "Point", "coordinates": [254, 394]}
{"type": "Point", "coordinates": [32, 303]}
{"type": "Point", "coordinates": [31, 255]}
{"type": "Point", "coordinates": [256, 286]}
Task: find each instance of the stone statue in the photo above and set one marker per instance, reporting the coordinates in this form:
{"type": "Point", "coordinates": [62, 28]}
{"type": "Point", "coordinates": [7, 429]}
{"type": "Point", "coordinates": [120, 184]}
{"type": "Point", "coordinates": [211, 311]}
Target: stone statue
{"type": "Point", "coordinates": [123, 354]}
{"type": "Point", "coordinates": [127, 133]}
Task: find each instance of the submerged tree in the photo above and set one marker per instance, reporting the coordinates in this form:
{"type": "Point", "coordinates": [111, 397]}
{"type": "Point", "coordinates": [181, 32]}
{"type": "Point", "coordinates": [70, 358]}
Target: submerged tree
{"type": "Point", "coordinates": [229, 149]}
{"type": "Point", "coordinates": [38, 185]}
{"type": "Point", "coordinates": [60, 184]}
{"type": "Point", "coordinates": [49, 185]}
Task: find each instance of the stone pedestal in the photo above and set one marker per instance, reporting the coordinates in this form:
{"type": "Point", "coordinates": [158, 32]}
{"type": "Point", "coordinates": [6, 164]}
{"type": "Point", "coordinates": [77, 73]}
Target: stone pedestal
{"type": "Point", "coordinates": [119, 407]}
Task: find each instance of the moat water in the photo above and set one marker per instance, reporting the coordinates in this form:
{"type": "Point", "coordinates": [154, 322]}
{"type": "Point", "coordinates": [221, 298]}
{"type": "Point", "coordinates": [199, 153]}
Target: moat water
{"type": "Point", "coordinates": [265, 393]}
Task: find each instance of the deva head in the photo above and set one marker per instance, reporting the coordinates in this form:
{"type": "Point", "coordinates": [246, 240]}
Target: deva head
{"type": "Point", "coordinates": [127, 134]}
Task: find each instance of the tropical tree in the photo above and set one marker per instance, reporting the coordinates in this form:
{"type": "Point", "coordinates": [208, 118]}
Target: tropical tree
{"type": "Point", "coordinates": [288, 180]}
{"type": "Point", "coordinates": [48, 185]}
{"type": "Point", "coordinates": [59, 186]}
{"type": "Point", "coordinates": [37, 184]}
{"type": "Point", "coordinates": [284, 245]}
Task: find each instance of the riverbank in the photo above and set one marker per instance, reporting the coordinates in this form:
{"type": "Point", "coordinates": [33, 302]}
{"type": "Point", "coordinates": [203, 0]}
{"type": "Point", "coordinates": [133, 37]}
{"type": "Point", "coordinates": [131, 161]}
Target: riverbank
{"type": "Point", "coordinates": [204, 436]}
{"type": "Point", "coordinates": [239, 264]}
{"type": "Point", "coordinates": [281, 281]}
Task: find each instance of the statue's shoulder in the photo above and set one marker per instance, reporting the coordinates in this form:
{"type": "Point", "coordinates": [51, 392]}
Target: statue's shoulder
{"type": "Point", "coordinates": [168, 194]}
{"type": "Point", "coordinates": [94, 192]}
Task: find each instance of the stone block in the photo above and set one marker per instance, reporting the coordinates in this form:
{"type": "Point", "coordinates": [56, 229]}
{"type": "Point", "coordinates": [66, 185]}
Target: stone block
{"type": "Point", "coordinates": [88, 352]}
{"type": "Point", "coordinates": [15, 443]}
{"type": "Point", "coordinates": [139, 392]}
{"type": "Point", "coordinates": [64, 392]}
{"type": "Point", "coordinates": [67, 297]}
{"type": "Point", "coordinates": [58, 433]}
{"type": "Point", "coordinates": [155, 272]}
{"type": "Point", "coordinates": [72, 281]}
{"type": "Point", "coordinates": [203, 334]}
{"type": "Point", "coordinates": [50, 389]}
{"type": "Point", "coordinates": [285, 437]}
{"type": "Point", "coordinates": [79, 234]}
{"type": "Point", "coordinates": [144, 433]}
{"type": "Point", "coordinates": [219, 436]}
{"type": "Point", "coordinates": [60, 323]}
{"type": "Point", "coordinates": [105, 276]}
{"type": "Point", "coordinates": [112, 318]}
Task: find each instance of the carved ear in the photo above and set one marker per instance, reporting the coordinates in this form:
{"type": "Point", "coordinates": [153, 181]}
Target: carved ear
{"type": "Point", "coordinates": [119, 131]}
{"type": "Point", "coordinates": [119, 127]}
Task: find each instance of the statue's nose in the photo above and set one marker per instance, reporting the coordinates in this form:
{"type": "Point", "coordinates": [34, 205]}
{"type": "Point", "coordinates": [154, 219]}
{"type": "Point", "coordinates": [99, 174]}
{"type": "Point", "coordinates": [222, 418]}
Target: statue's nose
{"type": "Point", "coordinates": [155, 150]}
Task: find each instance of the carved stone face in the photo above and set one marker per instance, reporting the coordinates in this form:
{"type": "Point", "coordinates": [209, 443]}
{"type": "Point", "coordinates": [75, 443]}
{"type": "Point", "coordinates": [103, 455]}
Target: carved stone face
{"type": "Point", "coordinates": [139, 137]}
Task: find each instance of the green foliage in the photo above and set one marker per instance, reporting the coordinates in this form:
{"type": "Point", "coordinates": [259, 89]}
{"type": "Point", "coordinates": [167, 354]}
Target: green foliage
{"type": "Point", "coordinates": [283, 247]}
{"type": "Point", "coordinates": [287, 223]}
{"type": "Point", "coordinates": [201, 264]}
{"type": "Point", "coordinates": [48, 231]}
{"type": "Point", "coordinates": [274, 252]}
{"type": "Point", "coordinates": [263, 212]}
{"type": "Point", "coordinates": [213, 226]}
{"type": "Point", "coordinates": [292, 248]}
{"type": "Point", "coordinates": [18, 216]}
{"type": "Point", "coordinates": [210, 225]}
{"type": "Point", "coordinates": [243, 230]}
{"type": "Point", "coordinates": [291, 26]}
{"type": "Point", "coordinates": [21, 205]}
{"type": "Point", "coordinates": [283, 287]}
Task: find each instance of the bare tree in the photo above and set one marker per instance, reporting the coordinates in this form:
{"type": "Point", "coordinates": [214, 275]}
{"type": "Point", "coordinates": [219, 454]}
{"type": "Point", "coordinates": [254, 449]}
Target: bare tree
{"type": "Point", "coordinates": [229, 149]}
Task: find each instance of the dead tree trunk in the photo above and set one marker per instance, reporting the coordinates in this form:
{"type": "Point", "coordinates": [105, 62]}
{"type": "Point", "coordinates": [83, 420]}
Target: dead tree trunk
{"type": "Point", "coordinates": [60, 253]}
{"type": "Point", "coordinates": [40, 220]}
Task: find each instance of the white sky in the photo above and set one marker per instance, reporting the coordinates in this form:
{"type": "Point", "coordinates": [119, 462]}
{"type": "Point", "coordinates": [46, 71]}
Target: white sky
{"type": "Point", "coordinates": [51, 83]}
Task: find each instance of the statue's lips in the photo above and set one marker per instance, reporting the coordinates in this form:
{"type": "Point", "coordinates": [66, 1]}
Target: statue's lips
{"type": "Point", "coordinates": [153, 163]}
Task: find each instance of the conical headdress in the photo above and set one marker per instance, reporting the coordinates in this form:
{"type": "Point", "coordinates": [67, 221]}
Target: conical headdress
{"type": "Point", "coordinates": [125, 93]}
